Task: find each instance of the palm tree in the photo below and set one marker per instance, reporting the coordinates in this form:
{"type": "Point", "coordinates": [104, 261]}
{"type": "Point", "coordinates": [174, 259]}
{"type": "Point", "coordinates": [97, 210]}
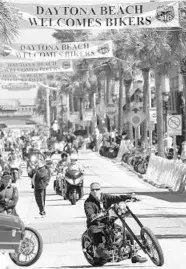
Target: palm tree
{"type": "Point", "coordinates": [9, 22]}
{"type": "Point", "coordinates": [154, 51]}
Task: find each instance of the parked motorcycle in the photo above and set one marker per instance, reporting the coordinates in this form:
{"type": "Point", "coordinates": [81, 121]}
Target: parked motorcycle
{"type": "Point", "coordinates": [113, 151]}
{"type": "Point", "coordinates": [120, 241]}
{"type": "Point", "coordinates": [72, 186]}
{"type": "Point", "coordinates": [24, 244]}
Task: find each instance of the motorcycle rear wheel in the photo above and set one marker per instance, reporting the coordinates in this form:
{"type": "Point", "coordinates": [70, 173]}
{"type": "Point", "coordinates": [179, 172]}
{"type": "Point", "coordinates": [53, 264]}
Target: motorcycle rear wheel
{"type": "Point", "coordinates": [88, 251]}
{"type": "Point", "coordinates": [27, 248]}
{"type": "Point", "coordinates": [152, 246]}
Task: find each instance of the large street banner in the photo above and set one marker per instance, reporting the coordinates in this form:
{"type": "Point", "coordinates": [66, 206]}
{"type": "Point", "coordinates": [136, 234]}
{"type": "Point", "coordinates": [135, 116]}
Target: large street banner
{"type": "Point", "coordinates": [36, 66]}
{"type": "Point", "coordinates": [69, 50]}
{"type": "Point", "coordinates": [106, 16]}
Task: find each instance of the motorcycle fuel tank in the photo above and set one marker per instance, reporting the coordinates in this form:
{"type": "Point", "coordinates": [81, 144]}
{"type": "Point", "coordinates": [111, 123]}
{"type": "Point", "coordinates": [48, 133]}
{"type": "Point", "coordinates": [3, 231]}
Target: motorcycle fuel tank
{"type": "Point", "coordinates": [11, 233]}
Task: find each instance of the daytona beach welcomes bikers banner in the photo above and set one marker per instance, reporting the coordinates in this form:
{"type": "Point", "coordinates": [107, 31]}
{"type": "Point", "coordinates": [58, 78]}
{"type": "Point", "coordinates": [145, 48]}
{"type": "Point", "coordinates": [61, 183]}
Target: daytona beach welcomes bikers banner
{"type": "Point", "coordinates": [131, 15]}
{"type": "Point", "coordinates": [68, 50]}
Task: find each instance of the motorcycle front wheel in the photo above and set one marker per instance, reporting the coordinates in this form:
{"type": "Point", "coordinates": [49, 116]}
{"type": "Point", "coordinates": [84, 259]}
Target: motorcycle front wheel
{"type": "Point", "coordinates": [152, 246]}
{"type": "Point", "coordinates": [30, 248]}
{"type": "Point", "coordinates": [74, 198]}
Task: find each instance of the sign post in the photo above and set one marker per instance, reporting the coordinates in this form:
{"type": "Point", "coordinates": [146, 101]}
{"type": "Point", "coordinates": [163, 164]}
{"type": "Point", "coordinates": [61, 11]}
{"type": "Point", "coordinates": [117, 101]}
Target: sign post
{"type": "Point", "coordinates": [174, 128]}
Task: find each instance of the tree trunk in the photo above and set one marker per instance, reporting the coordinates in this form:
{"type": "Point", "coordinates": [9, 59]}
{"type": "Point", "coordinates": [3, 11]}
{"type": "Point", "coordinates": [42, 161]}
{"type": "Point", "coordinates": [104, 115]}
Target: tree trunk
{"type": "Point", "coordinates": [145, 72]}
{"type": "Point", "coordinates": [184, 109]}
{"type": "Point", "coordinates": [159, 108]}
{"type": "Point", "coordinates": [127, 84]}
{"type": "Point", "coordinates": [120, 108]}
{"type": "Point", "coordinates": [81, 112]}
{"type": "Point", "coordinates": [108, 78]}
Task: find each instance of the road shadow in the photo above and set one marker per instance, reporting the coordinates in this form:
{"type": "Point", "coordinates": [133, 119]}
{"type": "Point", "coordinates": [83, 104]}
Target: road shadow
{"type": "Point", "coordinates": [165, 196]}
{"type": "Point", "coordinates": [60, 205]}
{"type": "Point", "coordinates": [107, 265]}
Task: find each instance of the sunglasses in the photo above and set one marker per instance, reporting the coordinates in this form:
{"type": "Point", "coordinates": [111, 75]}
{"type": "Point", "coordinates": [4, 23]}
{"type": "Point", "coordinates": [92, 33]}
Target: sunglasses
{"type": "Point", "coordinates": [95, 189]}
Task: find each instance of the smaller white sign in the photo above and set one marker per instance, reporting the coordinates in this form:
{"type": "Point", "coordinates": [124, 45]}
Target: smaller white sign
{"type": "Point", "coordinates": [87, 115]}
{"type": "Point", "coordinates": [174, 124]}
{"type": "Point", "coordinates": [153, 115]}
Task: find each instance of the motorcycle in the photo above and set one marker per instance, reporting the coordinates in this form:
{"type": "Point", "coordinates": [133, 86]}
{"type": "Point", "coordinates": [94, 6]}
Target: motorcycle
{"type": "Point", "coordinates": [15, 170]}
{"type": "Point", "coordinates": [24, 244]}
{"type": "Point", "coordinates": [113, 151]}
{"type": "Point", "coordinates": [72, 186]}
{"type": "Point", "coordinates": [59, 181]}
{"type": "Point", "coordinates": [55, 158]}
{"type": "Point", "coordinates": [120, 242]}
{"type": "Point", "coordinates": [70, 148]}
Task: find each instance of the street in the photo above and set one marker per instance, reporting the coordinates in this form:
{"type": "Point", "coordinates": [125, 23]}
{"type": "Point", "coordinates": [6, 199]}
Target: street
{"type": "Point", "coordinates": [163, 212]}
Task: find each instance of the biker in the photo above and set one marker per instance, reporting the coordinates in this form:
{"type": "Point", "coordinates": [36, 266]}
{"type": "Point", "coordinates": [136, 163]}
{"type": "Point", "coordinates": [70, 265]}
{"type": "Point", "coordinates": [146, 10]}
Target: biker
{"type": "Point", "coordinates": [8, 195]}
{"type": "Point", "coordinates": [94, 206]}
{"type": "Point", "coordinates": [74, 165]}
{"type": "Point", "coordinates": [12, 155]}
{"type": "Point", "coordinates": [70, 137]}
{"type": "Point", "coordinates": [64, 160]}
{"type": "Point", "coordinates": [2, 162]}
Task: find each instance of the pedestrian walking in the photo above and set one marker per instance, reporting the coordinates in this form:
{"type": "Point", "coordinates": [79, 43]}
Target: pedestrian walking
{"type": "Point", "coordinates": [41, 181]}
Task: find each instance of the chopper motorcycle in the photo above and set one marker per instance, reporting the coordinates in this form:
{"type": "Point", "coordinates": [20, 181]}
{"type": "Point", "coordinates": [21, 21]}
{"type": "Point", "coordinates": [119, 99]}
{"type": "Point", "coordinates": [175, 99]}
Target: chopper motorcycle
{"type": "Point", "coordinates": [120, 242]}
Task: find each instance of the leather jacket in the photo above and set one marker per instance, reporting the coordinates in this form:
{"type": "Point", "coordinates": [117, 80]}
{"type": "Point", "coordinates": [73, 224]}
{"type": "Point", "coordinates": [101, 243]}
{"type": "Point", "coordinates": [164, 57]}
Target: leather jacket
{"type": "Point", "coordinates": [93, 207]}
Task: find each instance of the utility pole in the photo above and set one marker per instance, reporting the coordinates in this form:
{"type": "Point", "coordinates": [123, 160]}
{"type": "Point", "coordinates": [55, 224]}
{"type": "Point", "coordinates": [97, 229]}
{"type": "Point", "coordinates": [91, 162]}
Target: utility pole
{"type": "Point", "coordinates": [62, 115]}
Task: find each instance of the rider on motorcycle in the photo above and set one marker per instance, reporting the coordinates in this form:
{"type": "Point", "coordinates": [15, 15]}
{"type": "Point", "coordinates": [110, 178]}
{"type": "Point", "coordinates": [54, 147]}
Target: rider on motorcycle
{"type": "Point", "coordinates": [64, 160]}
{"type": "Point", "coordinates": [8, 195]}
{"type": "Point", "coordinates": [74, 165]}
{"type": "Point", "coordinates": [94, 207]}
{"type": "Point", "coordinates": [12, 155]}
{"type": "Point", "coordinates": [70, 137]}
{"type": "Point", "coordinates": [2, 162]}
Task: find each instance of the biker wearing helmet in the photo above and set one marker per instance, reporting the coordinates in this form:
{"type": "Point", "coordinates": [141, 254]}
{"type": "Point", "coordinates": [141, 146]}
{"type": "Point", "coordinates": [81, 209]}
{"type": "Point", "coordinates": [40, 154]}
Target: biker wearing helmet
{"type": "Point", "coordinates": [64, 160]}
{"type": "Point", "coordinates": [74, 165]}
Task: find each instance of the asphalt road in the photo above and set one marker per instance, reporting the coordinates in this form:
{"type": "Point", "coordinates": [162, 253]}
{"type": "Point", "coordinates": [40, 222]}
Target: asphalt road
{"type": "Point", "coordinates": [163, 212]}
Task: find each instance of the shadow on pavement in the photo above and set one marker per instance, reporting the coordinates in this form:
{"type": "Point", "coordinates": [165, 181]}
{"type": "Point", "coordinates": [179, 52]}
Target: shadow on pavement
{"type": "Point", "coordinates": [166, 196]}
{"type": "Point", "coordinates": [60, 205]}
{"type": "Point", "coordinates": [160, 216]}
{"type": "Point", "coordinates": [107, 265]}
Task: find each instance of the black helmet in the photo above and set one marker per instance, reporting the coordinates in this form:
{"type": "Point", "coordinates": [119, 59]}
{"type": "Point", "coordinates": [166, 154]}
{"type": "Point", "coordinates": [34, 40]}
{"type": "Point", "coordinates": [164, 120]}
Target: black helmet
{"type": "Point", "coordinates": [64, 154]}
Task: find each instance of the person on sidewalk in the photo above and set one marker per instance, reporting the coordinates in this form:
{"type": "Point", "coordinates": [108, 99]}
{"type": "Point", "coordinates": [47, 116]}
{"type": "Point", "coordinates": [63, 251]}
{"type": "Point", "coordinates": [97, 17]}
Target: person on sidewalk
{"type": "Point", "coordinates": [8, 196]}
{"type": "Point", "coordinates": [94, 206]}
{"type": "Point", "coordinates": [41, 181]}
